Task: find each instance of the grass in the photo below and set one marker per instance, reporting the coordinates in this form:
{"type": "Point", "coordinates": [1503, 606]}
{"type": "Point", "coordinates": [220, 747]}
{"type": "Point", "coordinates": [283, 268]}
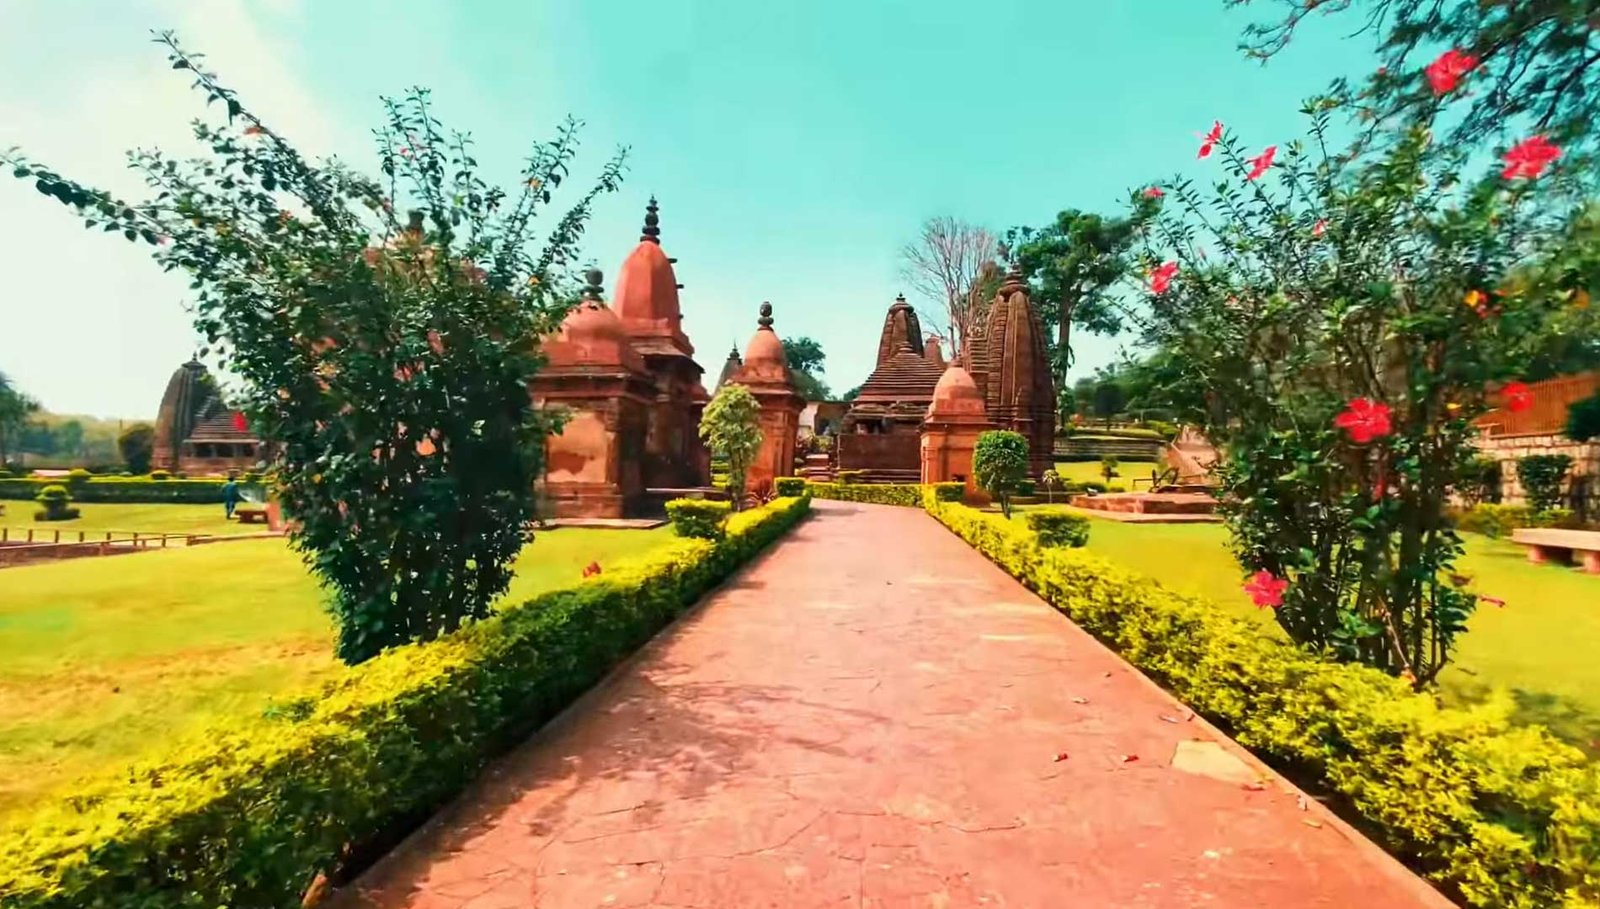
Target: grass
{"type": "Point", "coordinates": [106, 658]}
{"type": "Point", "coordinates": [1127, 471]}
{"type": "Point", "coordinates": [103, 516]}
{"type": "Point", "coordinates": [1544, 645]}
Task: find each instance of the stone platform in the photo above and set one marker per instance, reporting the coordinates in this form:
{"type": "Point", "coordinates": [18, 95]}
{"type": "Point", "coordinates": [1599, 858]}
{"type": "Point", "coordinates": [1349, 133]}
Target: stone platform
{"type": "Point", "coordinates": [1188, 506]}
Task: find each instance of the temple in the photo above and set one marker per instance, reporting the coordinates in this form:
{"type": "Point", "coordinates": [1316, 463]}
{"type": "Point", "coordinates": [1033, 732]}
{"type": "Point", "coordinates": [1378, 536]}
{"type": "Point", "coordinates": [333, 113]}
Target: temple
{"type": "Point", "coordinates": [765, 371]}
{"type": "Point", "coordinates": [1009, 363]}
{"type": "Point", "coordinates": [196, 432]}
{"type": "Point", "coordinates": [879, 433]}
{"type": "Point", "coordinates": [626, 376]}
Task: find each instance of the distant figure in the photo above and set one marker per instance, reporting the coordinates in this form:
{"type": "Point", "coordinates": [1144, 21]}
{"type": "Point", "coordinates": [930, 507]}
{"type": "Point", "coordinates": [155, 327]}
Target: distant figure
{"type": "Point", "coordinates": [230, 497]}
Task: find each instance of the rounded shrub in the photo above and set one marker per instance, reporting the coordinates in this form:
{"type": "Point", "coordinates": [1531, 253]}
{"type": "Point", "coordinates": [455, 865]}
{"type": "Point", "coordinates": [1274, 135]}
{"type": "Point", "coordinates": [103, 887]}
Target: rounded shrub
{"type": "Point", "coordinates": [789, 487]}
{"type": "Point", "coordinates": [55, 504]}
{"type": "Point", "coordinates": [160, 475]}
{"type": "Point", "coordinates": [1057, 527]}
{"type": "Point", "coordinates": [950, 492]}
{"type": "Point", "coordinates": [700, 519]}
{"type": "Point", "coordinates": [78, 475]}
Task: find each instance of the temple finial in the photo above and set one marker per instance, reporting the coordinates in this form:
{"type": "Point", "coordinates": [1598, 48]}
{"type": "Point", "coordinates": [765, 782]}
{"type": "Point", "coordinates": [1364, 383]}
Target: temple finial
{"type": "Point", "coordinates": [900, 298]}
{"type": "Point", "coordinates": [652, 223]}
{"type": "Point", "coordinates": [414, 225]}
{"type": "Point", "coordinates": [593, 290]}
{"type": "Point", "coordinates": [766, 316]}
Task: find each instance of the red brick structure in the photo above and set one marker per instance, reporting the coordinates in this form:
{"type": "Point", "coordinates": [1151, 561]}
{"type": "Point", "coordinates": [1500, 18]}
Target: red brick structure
{"type": "Point", "coordinates": [765, 372]}
{"type": "Point", "coordinates": [1009, 362]}
{"type": "Point", "coordinates": [593, 466]}
{"type": "Point", "coordinates": [646, 300]}
{"type": "Point", "coordinates": [950, 432]}
{"type": "Point", "coordinates": [879, 432]}
{"type": "Point", "coordinates": [196, 432]}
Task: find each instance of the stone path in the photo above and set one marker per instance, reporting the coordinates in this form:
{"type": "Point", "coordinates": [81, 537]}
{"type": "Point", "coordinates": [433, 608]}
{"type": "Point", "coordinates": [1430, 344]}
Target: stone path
{"type": "Point", "coordinates": [873, 715]}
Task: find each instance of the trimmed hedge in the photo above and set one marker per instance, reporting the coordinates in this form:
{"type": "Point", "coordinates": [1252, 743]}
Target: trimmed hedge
{"type": "Point", "coordinates": [248, 815]}
{"type": "Point", "coordinates": [1502, 814]}
{"type": "Point", "coordinates": [1058, 527]}
{"type": "Point", "coordinates": [950, 492]}
{"type": "Point", "coordinates": [906, 494]}
{"type": "Point", "coordinates": [130, 490]}
{"type": "Point", "coordinates": [1495, 520]}
{"type": "Point", "coordinates": [700, 519]}
{"type": "Point", "coordinates": [789, 486]}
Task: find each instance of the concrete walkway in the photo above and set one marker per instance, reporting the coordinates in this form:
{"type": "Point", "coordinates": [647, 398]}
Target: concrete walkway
{"type": "Point", "coordinates": [874, 715]}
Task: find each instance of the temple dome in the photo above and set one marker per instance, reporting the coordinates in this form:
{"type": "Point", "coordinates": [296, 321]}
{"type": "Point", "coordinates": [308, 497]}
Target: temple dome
{"type": "Point", "coordinates": [956, 393]}
{"type": "Point", "coordinates": [592, 334]}
{"type": "Point", "coordinates": [764, 359]}
{"type": "Point", "coordinates": [646, 296]}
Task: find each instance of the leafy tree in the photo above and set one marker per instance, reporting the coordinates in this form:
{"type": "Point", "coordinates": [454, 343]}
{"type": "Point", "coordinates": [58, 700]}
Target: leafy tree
{"type": "Point", "coordinates": [1072, 264]}
{"type": "Point", "coordinates": [1532, 63]}
{"type": "Point", "coordinates": [731, 428]}
{"type": "Point", "coordinates": [805, 356]}
{"type": "Point", "coordinates": [852, 394]}
{"type": "Point", "coordinates": [387, 359]}
{"type": "Point", "coordinates": [1108, 467]}
{"type": "Point", "coordinates": [1108, 399]}
{"type": "Point", "coordinates": [69, 438]}
{"type": "Point", "coordinates": [16, 409]}
{"type": "Point", "coordinates": [1542, 477]}
{"type": "Point", "coordinates": [1000, 465]}
{"type": "Point", "coordinates": [1583, 419]}
{"type": "Point", "coordinates": [1347, 327]}
{"type": "Point", "coordinates": [137, 445]}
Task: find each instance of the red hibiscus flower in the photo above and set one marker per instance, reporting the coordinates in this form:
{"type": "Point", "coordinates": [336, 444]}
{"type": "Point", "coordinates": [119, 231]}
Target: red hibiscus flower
{"type": "Point", "coordinates": [1365, 420]}
{"type": "Point", "coordinates": [592, 569]}
{"type": "Point", "coordinates": [1161, 278]}
{"type": "Point", "coordinates": [1529, 158]}
{"type": "Point", "coordinates": [1446, 72]}
{"type": "Point", "coordinates": [1266, 589]}
{"type": "Point", "coordinates": [1153, 192]}
{"type": "Point", "coordinates": [239, 422]}
{"type": "Point", "coordinates": [1320, 228]}
{"type": "Point", "coordinates": [1209, 140]}
{"type": "Point", "coordinates": [1260, 163]}
{"type": "Point", "coordinates": [1518, 396]}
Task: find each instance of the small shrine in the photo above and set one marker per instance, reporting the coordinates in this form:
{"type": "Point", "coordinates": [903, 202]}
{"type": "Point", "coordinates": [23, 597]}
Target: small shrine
{"type": "Point", "coordinates": [765, 371]}
{"type": "Point", "coordinates": [950, 432]}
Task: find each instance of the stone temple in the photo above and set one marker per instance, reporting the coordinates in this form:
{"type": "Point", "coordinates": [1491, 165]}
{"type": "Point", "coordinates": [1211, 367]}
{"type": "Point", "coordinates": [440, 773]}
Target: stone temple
{"type": "Point", "coordinates": [917, 417]}
{"type": "Point", "coordinates": [196, 432]}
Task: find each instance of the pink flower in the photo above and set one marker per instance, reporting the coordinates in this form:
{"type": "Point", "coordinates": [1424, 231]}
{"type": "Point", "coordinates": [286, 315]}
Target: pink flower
{"type": "Point", "coordinates": [1210, 139]}
{"type": "Point", "coordinates": [1365, 420]}
{"type": "Point", "coordinates": [1518, 396]}
{"type": "Point", "coordinates": [1320, 228]}
{"type": "Point", "coordinates": [1153, 192]}
{"type": "Point", "coordinates": [1529, 158]}
{"type": "Point", "coordinates": [1266, 589]}
{"type": "Point", "coordinates": [1260, 163]}
{"type": "Point", "coordinates": [1161, 278]}
{"type": "Point", "coordinates": [1447, 71]}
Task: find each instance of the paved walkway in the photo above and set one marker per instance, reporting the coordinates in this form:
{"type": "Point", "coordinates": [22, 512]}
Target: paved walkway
{"type": "Point", "coordinates": [873, 715]}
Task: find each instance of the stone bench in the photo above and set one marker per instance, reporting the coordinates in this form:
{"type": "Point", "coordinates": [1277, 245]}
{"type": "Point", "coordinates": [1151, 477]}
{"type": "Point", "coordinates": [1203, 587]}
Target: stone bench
{"type": "Point", "coordinates": [1548, 545]}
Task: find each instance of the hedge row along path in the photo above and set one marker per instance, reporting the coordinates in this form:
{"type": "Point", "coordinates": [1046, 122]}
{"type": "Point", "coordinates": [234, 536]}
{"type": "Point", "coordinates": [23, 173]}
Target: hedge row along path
{"type": "Point", "coordinates": [872, 714]}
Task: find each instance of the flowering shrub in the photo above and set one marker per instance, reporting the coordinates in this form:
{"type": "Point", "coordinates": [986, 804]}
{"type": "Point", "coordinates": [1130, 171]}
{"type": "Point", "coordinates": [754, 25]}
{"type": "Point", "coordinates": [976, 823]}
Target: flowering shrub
{"type": "Point", "coordinates": [385, 357]}
{"type": "Point", "coordinates": [1348, 320]}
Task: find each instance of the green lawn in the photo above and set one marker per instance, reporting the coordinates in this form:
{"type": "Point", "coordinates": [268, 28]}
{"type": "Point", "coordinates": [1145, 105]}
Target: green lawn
{"type": "Point", "coordinates": [108, 657]}
{"type": "Point", "coordinates": [1127, 472]}
{"type": "Point", "coordinates": [96, 516]}
{"type": "Point", "coordinates": [1544, 645]}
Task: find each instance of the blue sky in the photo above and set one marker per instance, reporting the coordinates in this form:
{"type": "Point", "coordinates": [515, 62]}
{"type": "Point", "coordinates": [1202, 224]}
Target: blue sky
{"type": "Point", "coordinates": [794, 147]}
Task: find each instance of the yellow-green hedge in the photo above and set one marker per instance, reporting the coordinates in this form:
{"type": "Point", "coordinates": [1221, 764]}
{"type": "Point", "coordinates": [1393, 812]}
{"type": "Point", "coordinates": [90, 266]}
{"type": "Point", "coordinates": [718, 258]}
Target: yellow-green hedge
{"type": "Point", "coordinates": [1502, 814]}
{"type": "Point", "coordinates": [248, 816]}
{"type": "Point", "coordinates": [909, 494]}
{"type": "Point", "coordinates": [141, 490]}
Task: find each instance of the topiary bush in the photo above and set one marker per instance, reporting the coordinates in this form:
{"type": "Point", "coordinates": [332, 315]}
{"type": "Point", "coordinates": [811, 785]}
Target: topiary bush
{"type": "Point", "coordinates": [1000, 465]}
{"type": "Point", "coordinates": [1058, 527]}
{"type": "Point", "coordinates": [78, 475]}
{"type": "Point", "coordinates": [55, 504]}
{"type": "Point", "coordinates": [699, 519]}
{"type": "Point", "coordinates": [789, 486]}
{"type": "Point", "coordinates": [1542, 478]}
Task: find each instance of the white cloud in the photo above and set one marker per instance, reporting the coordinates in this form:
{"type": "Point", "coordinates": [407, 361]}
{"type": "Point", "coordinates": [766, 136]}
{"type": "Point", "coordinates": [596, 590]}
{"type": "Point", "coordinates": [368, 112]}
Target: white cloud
{"type": "Point", "coordinates": [88, 323]}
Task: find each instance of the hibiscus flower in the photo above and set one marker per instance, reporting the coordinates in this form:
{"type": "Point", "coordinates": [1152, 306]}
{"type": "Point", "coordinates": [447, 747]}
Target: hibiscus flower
{"type": "Point", "coordinates": [1266, 589]}
{"type": "Point", "coordinates": [1153, 192]}
{"type": "Point", "coordinates": [1529, 158]}
{"type": "Point", "coordinates": [1518, 396]}
{"type": "Point", "coordinates": [1210, 140]}
{"type": "Point", "coordinates": [1260, 163]}
{"type": "Point", "coordinates": [239, 422]}
{"type": "Point", "coordinates": [1161, 278]}
{"type": "Point", "coordinates": [1447, 71]}
{"type": "Point", "coordinates": [1320, 228]}
{"type": "Point", "coordinates": [1365, 420]}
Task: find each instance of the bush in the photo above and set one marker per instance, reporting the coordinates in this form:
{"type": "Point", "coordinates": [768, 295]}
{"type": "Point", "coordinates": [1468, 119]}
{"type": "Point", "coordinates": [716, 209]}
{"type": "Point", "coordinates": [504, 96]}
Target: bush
{"type": "Point", "coordinates": [789, 486]}
{"type": "Point", "coordinates": [699, 519]}
{"type": "Point", "coordinates": [129, 490]}
{"type": "Point", "coordinates": [1167, 431]}
{"type": "Point", "coordinates": [1000, 465]}
{"type": "Point", "coordinates": [1116, 487]}
{"type": "Point", "coordinates": [1056, 527]}
{"type": "Point", "coordinates": [1095, 486]}
{"type": "Point", "coordinates": [78, 475]}
{"type": "Point", "coordinates": [1505, 815]}
{"type": "Point", "coordinates": [160, 475]}
{"type": "Point", "coordinates": [55, 504]}
{"type": "Point", "coordinates": [1583, 419]}
{"type": "Point", "coordinates": [950, 492]}
{"type": "Point", "coordinates": [1494, 520]}
{"type": "Point", "coordinates": [5, 474]}
{"type": "Point", "coordinates": [904, 494]}
{"type": "Point", "coordinates": [1026, 488]}
{"type": "Point", "coordinates": [246, 816]}
{"type": "Point", "coordinates": [1108, 467]}
{"type": "Point", "coordinates": [1479, 481]}
{"type": "Point", "coordinates": [1542, 477]}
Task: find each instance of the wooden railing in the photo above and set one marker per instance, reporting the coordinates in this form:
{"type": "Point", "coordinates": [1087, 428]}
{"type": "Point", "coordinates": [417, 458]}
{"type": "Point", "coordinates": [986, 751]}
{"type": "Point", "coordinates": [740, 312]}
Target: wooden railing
{"type": "Point", "coordinates": [140, 538]}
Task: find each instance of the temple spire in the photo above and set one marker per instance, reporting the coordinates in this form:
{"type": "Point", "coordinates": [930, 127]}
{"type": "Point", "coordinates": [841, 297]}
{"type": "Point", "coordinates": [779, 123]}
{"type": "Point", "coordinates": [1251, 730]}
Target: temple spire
{"type": "Point", "coordinates": [652, 224]}
{"type": "Point", "coordinates": [766, 317]}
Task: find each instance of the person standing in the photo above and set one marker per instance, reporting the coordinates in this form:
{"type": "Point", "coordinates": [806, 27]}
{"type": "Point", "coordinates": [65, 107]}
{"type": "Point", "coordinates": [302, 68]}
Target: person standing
{"type": "Point", "coordinates": [230, 496]}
